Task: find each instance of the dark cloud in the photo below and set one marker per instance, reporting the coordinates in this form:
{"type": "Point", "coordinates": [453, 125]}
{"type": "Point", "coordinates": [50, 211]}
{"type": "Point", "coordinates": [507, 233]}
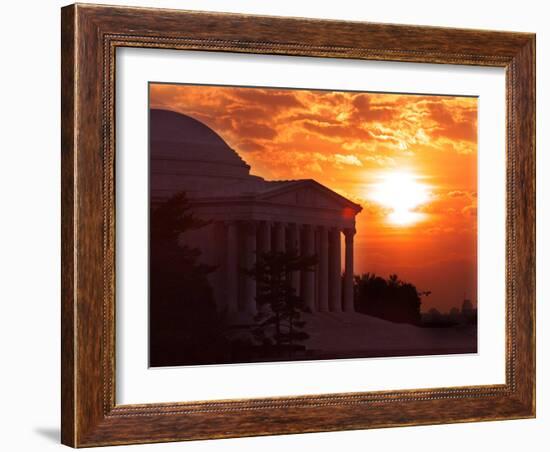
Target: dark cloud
{"type": "Point", "coordinates": [252, 130]}
{"type": "Point", "coordinates": [463, 126]}
{"type": "Point", "coordinates": [268, 98]}
{"type": "Point", "coordinates": [366, 111]}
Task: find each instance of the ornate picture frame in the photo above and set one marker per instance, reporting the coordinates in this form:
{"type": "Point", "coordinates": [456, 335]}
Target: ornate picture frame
{"type": "Point", "coordinates": [90, 37]}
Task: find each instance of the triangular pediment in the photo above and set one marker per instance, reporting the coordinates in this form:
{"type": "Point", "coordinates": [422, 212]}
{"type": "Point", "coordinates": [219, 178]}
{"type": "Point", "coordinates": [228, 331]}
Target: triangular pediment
{"type": "Point", "coordinates": [307, 193]}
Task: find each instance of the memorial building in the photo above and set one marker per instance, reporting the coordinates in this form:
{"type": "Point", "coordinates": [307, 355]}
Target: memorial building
{"type": "Point", "coordinates": [249, 215]}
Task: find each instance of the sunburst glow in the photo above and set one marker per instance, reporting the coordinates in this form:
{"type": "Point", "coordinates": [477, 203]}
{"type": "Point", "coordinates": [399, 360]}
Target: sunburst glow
{"type": "Point", "coordinates": [402, 193]}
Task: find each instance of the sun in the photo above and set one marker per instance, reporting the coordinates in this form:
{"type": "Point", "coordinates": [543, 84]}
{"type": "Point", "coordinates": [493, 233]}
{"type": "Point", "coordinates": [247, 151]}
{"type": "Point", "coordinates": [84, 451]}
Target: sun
{"type": "Point", "coordinates": [402, 192]}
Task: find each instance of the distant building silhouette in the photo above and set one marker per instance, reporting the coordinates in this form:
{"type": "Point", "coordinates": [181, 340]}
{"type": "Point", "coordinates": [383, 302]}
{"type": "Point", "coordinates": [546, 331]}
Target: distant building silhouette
{"type": "Point", "coordinates": [250, 215]}
{"type": "Point", "coordinates": [467, 307]}
{"type": "Point", "coordinates": [469, 313]}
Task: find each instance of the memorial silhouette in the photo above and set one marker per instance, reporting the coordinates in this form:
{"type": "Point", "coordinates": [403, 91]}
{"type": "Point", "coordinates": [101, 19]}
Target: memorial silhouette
{"type": "Point", "coordinates": [248, 215]}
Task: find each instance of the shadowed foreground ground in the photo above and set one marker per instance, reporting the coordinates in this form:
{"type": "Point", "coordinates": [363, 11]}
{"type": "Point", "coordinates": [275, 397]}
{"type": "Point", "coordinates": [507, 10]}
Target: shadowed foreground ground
{"type": "Point", "coordinates": [331, 336]}
{"type": "Point", "coordinates": [351, 335]}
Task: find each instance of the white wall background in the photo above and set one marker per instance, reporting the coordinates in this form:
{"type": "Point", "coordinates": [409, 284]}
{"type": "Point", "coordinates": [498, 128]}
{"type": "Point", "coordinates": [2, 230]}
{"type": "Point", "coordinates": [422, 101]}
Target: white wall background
{"type": "Point", "coordinates": [29, 228]}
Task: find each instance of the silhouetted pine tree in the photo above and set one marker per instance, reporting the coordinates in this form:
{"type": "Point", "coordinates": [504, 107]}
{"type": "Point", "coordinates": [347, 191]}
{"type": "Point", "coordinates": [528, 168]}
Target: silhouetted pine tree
{"type": "Point", "coordinates": [279, 319]}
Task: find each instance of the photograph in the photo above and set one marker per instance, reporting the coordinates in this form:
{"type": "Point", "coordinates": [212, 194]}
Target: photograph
{"type": "Point", "coordinates": [294, 224]}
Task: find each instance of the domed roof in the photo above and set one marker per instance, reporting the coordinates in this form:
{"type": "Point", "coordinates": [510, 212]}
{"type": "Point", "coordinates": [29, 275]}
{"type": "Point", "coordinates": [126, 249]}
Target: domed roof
{"type": "Point", "coordinates": [175, 136]}
{"type": "Point", "coordinates": [187, 156]}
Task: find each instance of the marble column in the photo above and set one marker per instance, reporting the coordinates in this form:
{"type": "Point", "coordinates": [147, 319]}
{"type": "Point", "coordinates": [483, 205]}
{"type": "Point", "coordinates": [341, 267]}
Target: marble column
{"type": "Point", "coordinates": [294, 246]}
{"type": "Point", "coordinates": [348, 272]}
{"type": "Point", "coordinates": [231, 268]}
{"type": "Point", "coordinates": [308, 278]}
{"type": "Point", "coordinates": [219, 275]}
{"type": "Point", "coordinates": [264, 237]}
{"type": "Point", "coordinates": [280, 237]}
{"type": "Point", "coordinates": [249, 293]}
{"type": "Point", "coordinates": [322, 277]}
{"type": "Point", "coordinates": [335, 256]}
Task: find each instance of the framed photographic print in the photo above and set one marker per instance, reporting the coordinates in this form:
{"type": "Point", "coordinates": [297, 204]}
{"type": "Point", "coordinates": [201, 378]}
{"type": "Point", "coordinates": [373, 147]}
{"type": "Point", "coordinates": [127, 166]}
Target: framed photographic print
{"type": "Point", "coordinates": [278, 225]}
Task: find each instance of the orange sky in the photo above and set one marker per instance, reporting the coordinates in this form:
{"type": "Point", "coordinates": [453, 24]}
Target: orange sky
{"type": "Point", "coordinates": [354, 143]}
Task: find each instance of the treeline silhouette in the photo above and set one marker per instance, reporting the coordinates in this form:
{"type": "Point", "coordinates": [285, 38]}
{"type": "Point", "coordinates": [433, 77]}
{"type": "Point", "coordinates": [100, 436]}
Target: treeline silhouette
{"type": "Point", "coordinates": [389, 299]}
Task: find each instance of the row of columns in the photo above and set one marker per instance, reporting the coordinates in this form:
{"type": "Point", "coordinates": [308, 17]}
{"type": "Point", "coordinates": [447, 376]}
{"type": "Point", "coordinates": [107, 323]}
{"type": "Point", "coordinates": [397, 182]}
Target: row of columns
{"type": "Point", "coordinates": [322, 290]}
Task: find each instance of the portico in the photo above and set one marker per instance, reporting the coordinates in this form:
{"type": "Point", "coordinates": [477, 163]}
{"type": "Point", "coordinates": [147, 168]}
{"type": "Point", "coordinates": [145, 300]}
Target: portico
{"type": "Point", "coordinates": [326, 297]}
{"type": "Point", "coordinates": [300, 216]}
